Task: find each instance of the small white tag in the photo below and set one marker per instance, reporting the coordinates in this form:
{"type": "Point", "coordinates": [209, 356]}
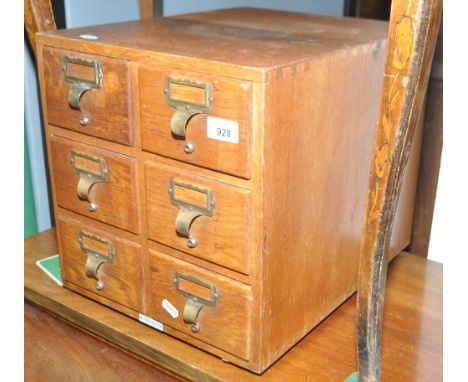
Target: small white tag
{"type": "Point", "coordinates": [171, 309]}
{"type": "Point", "coordinates": [150, 322]}
{"type": "Point", "coordinates": [223, 130]}
{"type": "Point", "coordinates": [89, 37]}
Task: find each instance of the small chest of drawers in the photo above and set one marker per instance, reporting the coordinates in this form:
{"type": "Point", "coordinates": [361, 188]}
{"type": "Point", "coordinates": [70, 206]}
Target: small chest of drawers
{"type": "Point", "coordinates": [209, 171]}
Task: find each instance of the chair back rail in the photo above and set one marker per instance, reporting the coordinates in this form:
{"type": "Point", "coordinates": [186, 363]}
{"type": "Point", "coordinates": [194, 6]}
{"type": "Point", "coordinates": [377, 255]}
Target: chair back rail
{"type": "Point", "coordinates": [38, 17]}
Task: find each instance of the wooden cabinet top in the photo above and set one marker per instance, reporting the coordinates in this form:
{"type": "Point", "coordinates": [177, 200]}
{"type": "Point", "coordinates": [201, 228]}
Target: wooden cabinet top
{"type": "Point", "coordinates": [243, 42]}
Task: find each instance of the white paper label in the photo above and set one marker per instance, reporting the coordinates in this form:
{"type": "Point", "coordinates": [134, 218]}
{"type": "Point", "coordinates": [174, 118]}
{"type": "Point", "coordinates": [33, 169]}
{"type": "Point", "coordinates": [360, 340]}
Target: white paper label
{"type": "Point", "coordinates": [150, 322]}
{"type": "Point", "coordinates": [171, 309]}
{"type": "Point", "coordinates": [89, 37]}
{"type": "Point", "coordinates": [223, 130]}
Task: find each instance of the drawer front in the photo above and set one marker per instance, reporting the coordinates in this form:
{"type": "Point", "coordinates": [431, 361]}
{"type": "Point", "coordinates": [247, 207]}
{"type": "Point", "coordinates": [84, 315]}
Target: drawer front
{"type": "Point", "coordinates": [199, 119]}
{"type": "Point", "coordinates": [101, 262]}
{"type": "Point", "coordinates": [202, 217]}
{"type": "Point", "coordinates": [207, 306]}
{"type": "Point", "coordinates": [96, 183]}
{"type": "Point", "coordinates": [89, 94]}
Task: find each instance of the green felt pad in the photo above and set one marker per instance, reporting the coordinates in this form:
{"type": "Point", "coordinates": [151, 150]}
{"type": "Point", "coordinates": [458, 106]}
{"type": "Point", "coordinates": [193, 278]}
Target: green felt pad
{"type": "Point", "coordinates": [51, 266]}
{"type": "Point", "coordinates": [352, 378]}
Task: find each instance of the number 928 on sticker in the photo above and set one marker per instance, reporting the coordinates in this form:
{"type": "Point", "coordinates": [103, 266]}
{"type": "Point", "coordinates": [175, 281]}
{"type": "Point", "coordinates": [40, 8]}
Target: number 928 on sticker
{"type": "Point", "coordinates": [223, 130]}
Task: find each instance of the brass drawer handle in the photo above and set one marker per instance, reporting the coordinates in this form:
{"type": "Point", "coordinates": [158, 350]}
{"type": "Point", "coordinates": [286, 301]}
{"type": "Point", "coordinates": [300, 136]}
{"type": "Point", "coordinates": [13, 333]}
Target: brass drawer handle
{"type": "Point", "coordinates": [88, 177]}
{"type": "Point", "coordinates": [195, 303]}
{"type": "Point", "coordinates": [79, 86]}
{"type": "Point", "coordinates": [186, 109]}
{"type": "Point", "coordinates": [188, 211]}
{"type": "Point", "coordinates": [95, 258]}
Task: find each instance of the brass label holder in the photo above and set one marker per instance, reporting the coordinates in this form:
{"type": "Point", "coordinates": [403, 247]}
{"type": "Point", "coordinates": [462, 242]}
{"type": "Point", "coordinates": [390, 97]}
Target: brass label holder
{"type": "Point", "coordinates": [79, 86]}
{"type": "Point", "coordinates": [88, 178]}
{"type": "Point", "coordinates": [186, 109]}
{"type": "Point", "coordinates": [188, 212]}
{"type": "Point", "coordinates": [194, 303]}
{"type": "Point", "coordinates": [95, 258]}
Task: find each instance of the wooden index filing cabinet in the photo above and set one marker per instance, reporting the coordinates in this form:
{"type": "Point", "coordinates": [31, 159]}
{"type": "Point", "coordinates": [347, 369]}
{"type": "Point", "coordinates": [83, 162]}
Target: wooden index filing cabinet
{"type": "Point", "coordinates": [209, 171]}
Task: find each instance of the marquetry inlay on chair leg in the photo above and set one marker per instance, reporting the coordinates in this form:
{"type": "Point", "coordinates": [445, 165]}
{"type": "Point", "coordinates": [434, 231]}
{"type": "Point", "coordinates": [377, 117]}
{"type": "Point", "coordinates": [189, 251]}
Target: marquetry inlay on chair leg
{"type": "Point", "coordinates": [413, 29]}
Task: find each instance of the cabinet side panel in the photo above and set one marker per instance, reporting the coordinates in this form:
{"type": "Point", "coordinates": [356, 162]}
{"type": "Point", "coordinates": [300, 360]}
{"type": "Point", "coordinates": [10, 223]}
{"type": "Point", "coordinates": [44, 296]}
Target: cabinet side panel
{"type": "Point", "coordinates": [319, 126]}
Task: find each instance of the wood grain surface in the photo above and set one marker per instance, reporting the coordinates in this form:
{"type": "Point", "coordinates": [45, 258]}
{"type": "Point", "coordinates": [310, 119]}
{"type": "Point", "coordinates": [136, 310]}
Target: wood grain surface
{"type": "Point", "coordinates": [38, 17]}
{"type": "Point", "coordinates": [232, 101]}
{"type": "Point", "coordinates": [55, 351]}
{"type": "Point", "coordinates": [288, 224]}
{"type": "Point", "coordinates": [260, 41]}
{"type": "Point", "coordinates": [412, 37]}
{"type": "Point", "coordinates": [412, 333]}
{"type": "Point", "coordinates": [225, 325]}
{"type": "Point", "coordinates": [223, 238]}
{"type": "Point", "coordinates": [117, 200]}
{"type": "Point", "coordinates": [150, 8]}
{"type": "Point", "coordinates": [121, 276]}
{"type": "Point", "coordinates": [314, 201]}
{"type": "Point", "coordinates": [108, 107]}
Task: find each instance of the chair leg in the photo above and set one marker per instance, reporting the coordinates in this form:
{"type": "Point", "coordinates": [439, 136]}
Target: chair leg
{"type": "Point", "coordinates": [413, 32]}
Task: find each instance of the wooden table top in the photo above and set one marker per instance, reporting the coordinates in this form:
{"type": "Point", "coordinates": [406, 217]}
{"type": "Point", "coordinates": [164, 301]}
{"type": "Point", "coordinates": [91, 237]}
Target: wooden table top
{"type": "Point", "coordinates": [412, 335]}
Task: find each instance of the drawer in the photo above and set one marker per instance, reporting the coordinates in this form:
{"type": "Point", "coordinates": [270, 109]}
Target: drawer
{"type": "Point", "coordinates": [101, 262]}
{"type": "Point", "coordinates": [199, 216]}
{"type": "Point", "coordinates": [89, 94]}
{"type": "Point", "coordinates": [94, 182]}
{"type": "Point", "coordinates": [195, 118]}
{"type": "Point", "coordinates": [200, 303]}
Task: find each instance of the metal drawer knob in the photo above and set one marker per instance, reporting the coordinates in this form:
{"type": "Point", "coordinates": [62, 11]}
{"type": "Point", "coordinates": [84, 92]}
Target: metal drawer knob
{"type": "Point", "coordinates": [189, 147]}
{"type": "Point", "coordinates": [84, 120]}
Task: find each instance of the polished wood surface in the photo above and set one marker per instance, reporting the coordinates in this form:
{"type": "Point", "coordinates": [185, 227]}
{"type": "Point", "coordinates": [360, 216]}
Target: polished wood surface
{"type": "Point", "coordinates": [411, 43]}
{"type": "Point", "coordinates": [150, 8]}
{"type": "Point", "coordinates": [260, 41]}
{"type": "Point", "coordinates": [373, 9]}
{"type": "Point", "coordinates": [223, 238]}
{"type": "Point", "coordinates": [232, 101]}
{"type": "Point", "coordinates": [287, 226]}
{"type": "Point", "coordinates": [412, 333]}
{"type": "Point", "coordinates": [109, 108]}
{"type": "Point", "coordinates": [314, 200]}
{"type": "Point", "coordinates": [146, 9]}
{"type": "Point", "coordinates": [225, 325]}
{"type": "Point", "coordinates": [55, 351]}
{"type": "Point", "coordinates": [116, 200]}
{"type": "Point", "coordinates": [121, 276]}
{"type": "Point", "coordinates": [38, 17]}
{"type": "Point", "coordinates": [321, 30]}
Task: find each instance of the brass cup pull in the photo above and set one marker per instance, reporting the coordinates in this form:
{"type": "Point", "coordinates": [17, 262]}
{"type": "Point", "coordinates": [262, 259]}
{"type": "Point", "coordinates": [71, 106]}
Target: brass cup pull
{"type": "Point", "coordinates": [179, 121]}
{"type": "Point", "coordinates": [92, 266]}
{"type": "Point", "coordinates": [88, 178]}
{"type": "Point", "coordinates": [80, 86]}
{"type": "Point", "coordinates": [191, 310]}
{"type": "Point", "coordinates": [77, 89]}
{"type": "Point", "coordinates": [189, 211]}
{"type": "Point", "coordinates": [184, 220]}
{"type": "Point", "coordinates": [96, 259]}
{"type": "Point", "coordinates": [195, 303]}
{"type": "Point", "coordinates": [186, 109]}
